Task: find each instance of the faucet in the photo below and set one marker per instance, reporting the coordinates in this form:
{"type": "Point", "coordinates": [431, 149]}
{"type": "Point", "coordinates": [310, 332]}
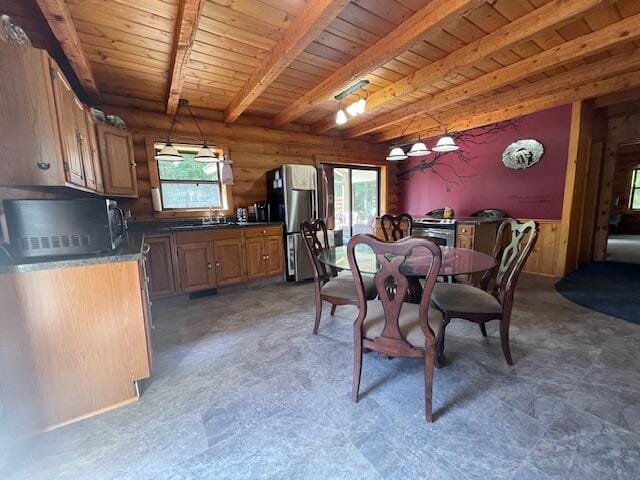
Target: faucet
{"type": "Point", "coordinates": [209, 220]}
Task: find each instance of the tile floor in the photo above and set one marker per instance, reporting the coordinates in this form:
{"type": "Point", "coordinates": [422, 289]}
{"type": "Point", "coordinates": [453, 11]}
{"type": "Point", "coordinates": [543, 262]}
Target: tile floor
{"type": "Point", "coordinates": [242, 390]}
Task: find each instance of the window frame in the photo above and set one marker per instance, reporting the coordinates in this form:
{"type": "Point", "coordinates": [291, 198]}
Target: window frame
{"type": "Point", "coordinates": [226, 193]}
{"type": "Point", "coordinates": [635, 174]}
{"type": "Point", "coordinates": [190, 149]}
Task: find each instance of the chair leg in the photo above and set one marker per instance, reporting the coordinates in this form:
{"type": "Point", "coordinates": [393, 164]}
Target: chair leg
{"type": "Point", "coordinates": [318, 314]}
{"type": "Point", "coordinates": [483, 329]}
{"type": "Point", "coordinates": [357, 367]}
{"type": "Point", "coordinates": [429, 362]}
{"type": "Point", "coordinates": [504, 339]}
{"type": "Point", "coordinates": [333, 309]}
{"type": "Point", "coordinates": [439, 349]}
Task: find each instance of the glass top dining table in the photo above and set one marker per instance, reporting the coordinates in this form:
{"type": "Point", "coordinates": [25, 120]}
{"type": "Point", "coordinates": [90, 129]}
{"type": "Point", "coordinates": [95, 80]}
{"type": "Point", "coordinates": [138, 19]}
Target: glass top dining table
{"type": "Point", "coordinates": [455, 261]}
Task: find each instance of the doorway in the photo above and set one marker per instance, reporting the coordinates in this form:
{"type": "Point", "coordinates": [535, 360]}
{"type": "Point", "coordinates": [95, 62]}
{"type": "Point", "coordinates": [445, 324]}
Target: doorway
{"type": "Point", "coordinates": [356, 193]}
{"type": "Point", "coordinates": [623, 244]}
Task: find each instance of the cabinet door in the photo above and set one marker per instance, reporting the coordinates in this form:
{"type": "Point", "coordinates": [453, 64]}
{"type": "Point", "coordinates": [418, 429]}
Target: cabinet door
{"type": "Point", "coordinates": [66, 109]}
{"type": "Point", "coordinates": [160, 267]}
{"type": "Point", "coordinates": [274, 254]}
{"type": "Point", "coordinates": [94, 153]}
{"type": "Point", "coordinates": [116, 158]}
{"type": "Point", "coordinates": [146, 309]}
{"type": "Point", "coordinates": [229, 262]}
{"type": "Point", "coordinates": [195, 263]}
{"type": "Point", "coordinates": [255, 257]}
{"type": "Point", "coordinates": [29, 136]}
{"type": "Point", "coordinates": [88, 166]}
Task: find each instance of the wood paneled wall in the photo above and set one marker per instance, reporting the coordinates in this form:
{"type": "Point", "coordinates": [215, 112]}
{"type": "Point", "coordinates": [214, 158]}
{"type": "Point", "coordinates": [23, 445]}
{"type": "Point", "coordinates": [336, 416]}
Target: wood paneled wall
{"type": "Point", "coordinates": [254, 148]}
{"type": "Point", "coordinates": [544, 258]}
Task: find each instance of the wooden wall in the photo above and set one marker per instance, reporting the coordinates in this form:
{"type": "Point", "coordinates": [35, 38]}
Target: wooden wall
{"type": "Point", "coordinates": [254, 148]}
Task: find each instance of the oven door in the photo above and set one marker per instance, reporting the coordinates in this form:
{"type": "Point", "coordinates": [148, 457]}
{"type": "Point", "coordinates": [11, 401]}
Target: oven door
{"type": "Point", "coordinates": [445, 237]}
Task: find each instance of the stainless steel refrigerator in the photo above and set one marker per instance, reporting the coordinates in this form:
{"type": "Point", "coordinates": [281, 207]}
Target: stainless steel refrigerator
{"type": "Point", "coordinates": [293, 199]}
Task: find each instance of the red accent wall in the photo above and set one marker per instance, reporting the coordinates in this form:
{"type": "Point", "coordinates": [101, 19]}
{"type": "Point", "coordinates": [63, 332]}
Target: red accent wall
{"type": "Point", "coordinates": [475, 178]}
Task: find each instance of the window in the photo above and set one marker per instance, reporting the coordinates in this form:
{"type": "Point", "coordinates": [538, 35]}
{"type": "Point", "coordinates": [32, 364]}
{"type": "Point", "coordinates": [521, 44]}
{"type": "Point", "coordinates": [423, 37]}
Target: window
{"type": "Point", "coordinates": [189, 185]}
{"type": "Point", "coordinates": [634, 204]}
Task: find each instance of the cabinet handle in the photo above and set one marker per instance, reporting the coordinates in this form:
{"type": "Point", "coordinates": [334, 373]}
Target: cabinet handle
{"type": "Point", "coordinates": [134, 164]}
{"type": "Point", "coordinates": [209, 266]}
{"type": "Point", "coordinates": [43, 165]}
{"type": "Point", "coordinates": [267, 257]}
{"type": "Point", "coordinates": [264, 232]}
{"type": "Point", "coordinates": [218, 264]}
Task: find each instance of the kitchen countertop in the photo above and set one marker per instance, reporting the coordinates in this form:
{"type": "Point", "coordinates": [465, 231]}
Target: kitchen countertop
{"type": "Point", "coordinates": [130, 249]}
{"type": "Point", "coordinates": [166, 227]}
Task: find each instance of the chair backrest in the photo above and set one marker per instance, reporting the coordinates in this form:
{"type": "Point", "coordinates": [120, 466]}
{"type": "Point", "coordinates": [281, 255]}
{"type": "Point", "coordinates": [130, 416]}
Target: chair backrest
{"type": "Point", "coordinates": [393, 285]}
{"type": "Point", "coordinates": [312, 232]}
{"type": "Point", "coordinates": [391, 226]}
{"type": "Point", "coordinates": [514, 244]}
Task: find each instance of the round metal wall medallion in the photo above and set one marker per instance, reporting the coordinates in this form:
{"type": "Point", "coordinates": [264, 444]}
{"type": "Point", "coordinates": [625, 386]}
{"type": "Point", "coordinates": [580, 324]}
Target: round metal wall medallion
{"type": "Point", "coordinates": [522, 154]}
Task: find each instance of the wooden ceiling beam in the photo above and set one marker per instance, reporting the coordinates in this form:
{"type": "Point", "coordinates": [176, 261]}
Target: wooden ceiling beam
{"type": "Point", "coordinates": [189, 13]}
{"type": "Point", "coordinates": [434, 15]}
{"type": "Point", "coordinates": [576, 77]}
{"type": "Point", "coordinates": [551, 15]}
{"type": "Point", "coordinates": [315, 17]}
{"type": "Point", "coordinates": [617, 98]}
{"type": "Point", "coordinates": [61, 24]}
{"type": "Point", "coordinates": [503, 107]}
{"type": "Point", "coordinates": [620, 32]}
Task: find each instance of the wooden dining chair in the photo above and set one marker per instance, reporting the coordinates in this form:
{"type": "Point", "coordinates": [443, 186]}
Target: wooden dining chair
{"type": "Point", "coordinates": [331, 286]}
{"type": "Point", "coordinates": [389, 325]}
{"type": "Point", "coordinates": [494, 299]}
{"type": "Point", "coordinates": [391, 226]}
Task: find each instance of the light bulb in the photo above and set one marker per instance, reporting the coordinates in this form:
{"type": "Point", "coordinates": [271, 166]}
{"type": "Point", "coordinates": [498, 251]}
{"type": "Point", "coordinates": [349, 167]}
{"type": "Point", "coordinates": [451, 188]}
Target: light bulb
{"type": "Point", "coordinates": [341, 117]}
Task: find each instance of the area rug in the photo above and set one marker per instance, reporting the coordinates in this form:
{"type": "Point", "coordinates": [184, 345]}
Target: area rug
{"type": "Point", "coordinates": [607, 287]}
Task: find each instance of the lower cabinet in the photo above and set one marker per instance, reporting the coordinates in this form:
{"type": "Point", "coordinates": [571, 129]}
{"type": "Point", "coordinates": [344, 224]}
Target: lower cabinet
{"type": "Point", "coordinates": [229, 261]}
{"type": "Point", "coordinates": [162, 280]}
{"type": "Point", "coordinates": [187, 262]}
{"type": "Point", "coordinates": [195, 266]}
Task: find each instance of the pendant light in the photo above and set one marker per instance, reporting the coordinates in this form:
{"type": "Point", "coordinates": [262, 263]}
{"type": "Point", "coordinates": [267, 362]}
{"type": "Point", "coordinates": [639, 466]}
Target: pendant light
{"type": "Point", "coordinates": [418, 149]}
{"type": "Point", "coordinates": [446, 143]}
{"type": "Point", "coordinates": [168, 152]}
{"type": "Point", "coordinates": [396, 154]}
{"type": "Point", "coordinates": [205, 154]}
{"type": "Point", "coordinates": [341, 116]}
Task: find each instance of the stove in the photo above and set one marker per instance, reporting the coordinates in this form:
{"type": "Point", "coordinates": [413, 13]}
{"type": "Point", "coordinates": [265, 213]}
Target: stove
{"type": "Point", "coordinates": [441, 230]}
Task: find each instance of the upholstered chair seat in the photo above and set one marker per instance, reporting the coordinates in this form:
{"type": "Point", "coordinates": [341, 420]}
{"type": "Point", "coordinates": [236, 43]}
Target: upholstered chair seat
{"type": "Point", "coordinates": [343, 286]}
{"type": "Point", "coordinates": [459, 297]}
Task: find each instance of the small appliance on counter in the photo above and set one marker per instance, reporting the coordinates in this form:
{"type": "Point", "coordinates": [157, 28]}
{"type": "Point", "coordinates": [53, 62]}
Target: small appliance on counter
{"type": "Point", "coordinates": [262, 211]}
{"type": "Point", "coordinates": [39, 228]}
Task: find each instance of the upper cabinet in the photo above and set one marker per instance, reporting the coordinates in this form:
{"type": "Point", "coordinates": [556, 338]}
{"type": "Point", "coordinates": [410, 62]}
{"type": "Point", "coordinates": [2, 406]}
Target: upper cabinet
{"type": "Point", "coordinates": [118, 165]}
{"type": "Point", "coordinates": [48, 139]}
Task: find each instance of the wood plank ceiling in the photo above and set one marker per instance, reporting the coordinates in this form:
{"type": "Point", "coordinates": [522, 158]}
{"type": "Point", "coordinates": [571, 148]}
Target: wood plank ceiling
{"type": "Point", "coordinates": [477, 62]}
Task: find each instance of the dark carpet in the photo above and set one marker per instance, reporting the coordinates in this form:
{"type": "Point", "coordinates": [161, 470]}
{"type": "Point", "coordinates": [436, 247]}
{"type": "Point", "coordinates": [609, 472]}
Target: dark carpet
{"type": "Point", "coordinates": [607, 287]}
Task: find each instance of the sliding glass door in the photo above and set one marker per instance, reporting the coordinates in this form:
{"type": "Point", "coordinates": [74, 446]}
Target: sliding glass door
{"type": "Point", "coordinates": [356, 199]}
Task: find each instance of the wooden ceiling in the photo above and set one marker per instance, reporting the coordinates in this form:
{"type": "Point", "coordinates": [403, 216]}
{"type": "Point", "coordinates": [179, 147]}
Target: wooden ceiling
{"type": "Point", "coordinates": [431, 65]}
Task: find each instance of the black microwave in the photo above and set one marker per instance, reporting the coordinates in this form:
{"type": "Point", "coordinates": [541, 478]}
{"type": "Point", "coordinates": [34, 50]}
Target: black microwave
{"type": "Point", "coordinates": [40, 228]}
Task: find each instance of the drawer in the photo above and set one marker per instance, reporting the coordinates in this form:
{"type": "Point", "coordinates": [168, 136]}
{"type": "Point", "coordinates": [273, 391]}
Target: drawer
{"type": "Point", "coordinates": [253, 232]}
{"type": "Point", "coordinates": [208, 235]}
{"type": "Point", "coordinates": [466, 230]}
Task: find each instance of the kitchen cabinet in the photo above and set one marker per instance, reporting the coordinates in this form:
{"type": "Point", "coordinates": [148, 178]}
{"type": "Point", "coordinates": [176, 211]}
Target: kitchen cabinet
{"type": "Point", "coordinates": [229, 261]}
{"type": "Point", "coordinates": [275, 254]}
{"type": "Point", "coordinates": [94, 153]}
{"type": "Point", "coordinates": [117, 160]}
{"type": "Point", "coordinates": [254, 255]}
{"type": "Point", "coordinates": [195, 266]}
{"type": "Point", "coordinates": [480, 237]}
{"type": "Point", "coordinates": [264, 251]}
{"type": "Point", "coordinates": [69, 110]}
{"type": "Point", "coordinates": [47, 137]}
{"type": "Point", "coordinates": [146, 304]}
{"type": "Point", "coordinates": [160, 266]}
{"type": "Point", "coordinates": [205, 259]}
